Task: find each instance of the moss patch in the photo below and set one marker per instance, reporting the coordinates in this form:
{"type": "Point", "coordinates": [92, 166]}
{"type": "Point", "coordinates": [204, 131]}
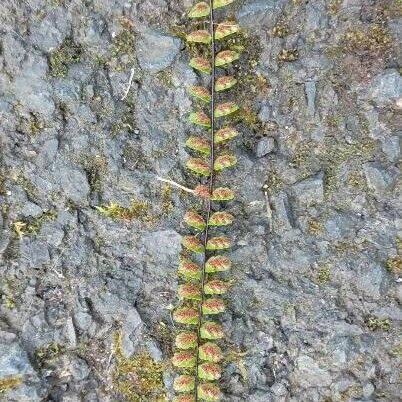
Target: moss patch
{"type": "Point", "coordinates": [9, 383]}
{"type": "Point", "coordinates": [377, 324]}
{"type": "Point", "coordinates": [138, 210]}
{"type": "Point", "coordinates": [394, 264]}
{"type": "Point", "coordinates": [48, 354]}
{"type": "Point", "coordinates": [33, 226]}
{"type": "Point", "coordinates": [139, 378]}
{"type": "Point", "coordinates": [95, 167]}
{"type": "Point", "coordinates": [323, 274]}
{"type": "Point", "coordinates": [60, 60]}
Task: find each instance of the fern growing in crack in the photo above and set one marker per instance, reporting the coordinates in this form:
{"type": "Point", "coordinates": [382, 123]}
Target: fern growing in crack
{"type": "Point", "coordinates": [198, 353]}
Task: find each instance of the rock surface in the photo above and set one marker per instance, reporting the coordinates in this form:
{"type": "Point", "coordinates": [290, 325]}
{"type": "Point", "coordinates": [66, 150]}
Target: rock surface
{"type": "Point", "coordinates": [94, 105]}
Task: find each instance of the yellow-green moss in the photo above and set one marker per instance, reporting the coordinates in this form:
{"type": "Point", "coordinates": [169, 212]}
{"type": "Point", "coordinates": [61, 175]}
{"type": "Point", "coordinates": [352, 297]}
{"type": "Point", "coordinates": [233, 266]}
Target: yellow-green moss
{"type": "Point", "coordinates": [334, 6]}
{"type": "Point", "coordinates": [138, 378]}
{"type": "Point", "coordinates": [95, 167]}
{"type": "Point", "coordinates": [48, 354]}
{"type": "Point", "coordinates": [394, 264]}
{"type": "Point", "coordinates": [33, 226]}
{"type": "Point", "coordinates": [60, 60]}
{"type": "Point", "coordinates": [356, 180]}
{"type": "Point", "coordinates": [167, 204]}
{"type": "Point", "coordinates": [281, 29]}
{"type": "Point", "coordinates": [139, 210]}
{"type": "Point", "coordinates": [288, 55]}
{"type": "Point", "coordinates": [324, 274]}
{"type": "Point", "coordinates": [273, 184]}
{"type": "Point", "coordinates": [8, 383]}
{"type": "Point", "coordinates": [374, 324]}
{"type": "Point", "coordinates": [314, 227]}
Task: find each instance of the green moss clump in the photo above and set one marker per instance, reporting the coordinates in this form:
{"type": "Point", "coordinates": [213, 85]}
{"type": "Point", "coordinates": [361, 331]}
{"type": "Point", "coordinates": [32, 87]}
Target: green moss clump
{"type": "Point", "coordinates": [48, 354]}
{"type": "Point", "coordinates": [374, 324]}
{"type": "Point", "coordinates": [28, 227]}
{"type": "Point", "coordinates": [167, 204]}
{"type": "Point", "coordinates": [123, 46]}
{"type": "Point", "coordinates": [95, 167]}
{"type": "Point", "coordinates": [288, 55]}
{"type": "Point", "coordinates": [281, 30]}
{"type": "Point", "coordinates": [60, 59]}
{"type": "Point", "coordinates": [394, 264]}
{"type": "Point", "coordinates": [314, 227]}
{"type": "Point", "coordinates": [138, 210]}
{"type": "Point", "coordinates": [334, 6]}
{"type": "Point", "coordinates": [323, 275]}
{"type": "Point", "coordinates": [139, 378]}
{"type": "Point", "coordinates": [273, 184]}
{"type": "Point", "coordinates": [9, 383]}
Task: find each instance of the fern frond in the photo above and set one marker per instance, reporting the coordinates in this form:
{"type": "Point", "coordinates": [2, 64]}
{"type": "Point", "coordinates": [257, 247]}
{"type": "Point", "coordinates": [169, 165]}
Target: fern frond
{"type": "Point", "coordinates": [224, 162]}
{"type": "Point", "coordinates": [209, 371]}
{"type": "Point", "coordinates": [186, 340]}
{"type": "Point", "coordinates": [226, 57]}
{"type": "Point", "coordinates": [210, 352]}
{"type": "Point", "coordinates": [184, 359]}
{"type": "Point", "coordinates": [199, 10]}
{"type": "Point", "coordinates": [184, 398]}
{"type": "Point", "coordinates": [225, 29]}
{"type": "Point", "coordinates": [189, 291]}
{"type": "Point", "coordinates": [209, 392]}
{"type": "Point", "coordinates": [195, 220]}
{"type": "Point", "coordinates": [184, 383]}
{"type": "Point", "coordinates": [218, 263]}
{"type": "Point", "coordinates": [186, 315]}
{"type": "Point", "coordinates": [200, 36]}
{"type": "Point", "coordinates": [221, 3]}
{"type": "Point", "coordinates": [222, 194]}
{"type": "Point", "coordinates": [224, 83]}
{"type": "Point", "coordinates": [189, 269]}
{"type": "Point", "coordinates": [216, 287]}
{"type": "Point", "coordinates": [193, 244]}
{"type": "Point", "coordinates": [218, 243]}
{"type": "Point", "coordinates": [200, 92]}
{"type": "Point", "coordinates": [226, 109]}
{"type": "Point", "coordinates": [200, 119]}
{"type": "Point", "coordinates": [202, 191]}
{"type": "Point", "coordinates": [199, 144]}
{"type": "Point", "coordinates": [198, 166]}
{"type": "Point", "coordinates": [211, 330]}
{"type": "Point", "coordinates": [221, 219]}
{"type": "Point", "coordinates": [213, 306]}
{"type": "Point", "coordinates": [201, 64]}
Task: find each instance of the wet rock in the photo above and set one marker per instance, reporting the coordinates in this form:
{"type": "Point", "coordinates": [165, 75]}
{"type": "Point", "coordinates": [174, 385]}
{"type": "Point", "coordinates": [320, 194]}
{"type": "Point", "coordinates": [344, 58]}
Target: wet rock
{"type": "Point", "coordinates": [264, 146]}
{"type": "Point", "coordinates": [156, 51]}
{"type": "Point", "coordinates": [309, 191]}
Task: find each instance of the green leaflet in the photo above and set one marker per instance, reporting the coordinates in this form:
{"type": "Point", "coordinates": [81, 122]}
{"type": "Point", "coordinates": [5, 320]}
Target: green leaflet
{"type": "Point", "coordinates": [201, 36]}
{"type": "Point", "coordinates": [221, 3]}
{"type": "Point", "coordinates": [224, 83]}
{"type": "Point", "coordinates": [184, 359]}
{"type": "Point", "coordinates": [225, 134]}
{"type": "Point", "coordinates": [186, 340]}
{"type": "Point", "coordinates": [202, 191]}
{"type": "Point", "coordinates": [200, 118]}
{"type": "Point", "coordinates": [209, 371]}
{"type": "Point", "coordinates": [199, 144]}
{"type": "Point", "coordinates": [224, 162]}
{"type": "Point", "coordinates": [186, 315]}
{"type": "Point", "coordinates": [189, 291]}
{"type": "Point", "coordinates": [194, 220]}
{"type": "Point", "coordinates": [222, 194]}
{"type": "Point", "coordinates": [218, 263]}
{"type": "Point", "coordinates": [225, 29]}
{"type": "Point", "coordinates": [184, 383]}
{"type": "Point", "coordinates": [226, 57]}
{"type": "Point", "coordinates": [193, 244]}
{"type": "Point", "coordinates": [211, 330]}
{"type": "Point", "coordinates": [198, 166]}
{"type": "Point", "coordinates": [201, 64]}
{"type": "Point", "coordinates": [200, 92]}
{"type": "Point", "coordinates": [199, 10]}
{"type": "Point", "coordinates": [225, 109]}
{"type": "Point", "coordinates": [189, 269]}
{"type": "Point", "coordinates": [185, 397]}
{"type": "Point", "coordinates": [221, 219]}
{"type": "Point", "coordinates": [213, 306]}
{"type": "Point", "coordinates": [216, 287]}
{"type": "Point", "coordinates": [210, 352]}
{"type": "Point", "coordinates": [209, 392]}
{"type": "Point", "coordinates": [218, 243]}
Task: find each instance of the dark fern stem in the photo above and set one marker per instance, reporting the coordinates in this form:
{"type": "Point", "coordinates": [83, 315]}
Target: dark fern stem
{"type": "Point", "coordinates": [197, 346]}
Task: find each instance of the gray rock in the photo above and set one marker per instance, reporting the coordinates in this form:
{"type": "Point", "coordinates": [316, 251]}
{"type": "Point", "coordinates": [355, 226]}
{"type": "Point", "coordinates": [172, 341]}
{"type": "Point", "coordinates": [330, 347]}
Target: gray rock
{"type": "Point", "coordinates": [308, 373]}
{"type": "Point", "coordinates": [310, 94]}
{"type": "Point", "coordinates": [309, 191]}
{"type": "Point", "coordinates": [386, 87]}
{"type": "Point", "coordinates": [14, 361]}
{"type": "Point", "coordinates": [157, 51]}
{"type": "Point", "coordinates": [378, 179]}
{"type": "Point", "coordinates": [31, 209]}
{"type": "Point", "coordinates": [255, 13]}
{"type": "Point", "coordinates": [264, 146]}
{"type": "Point", "coordinates": [392, 148]}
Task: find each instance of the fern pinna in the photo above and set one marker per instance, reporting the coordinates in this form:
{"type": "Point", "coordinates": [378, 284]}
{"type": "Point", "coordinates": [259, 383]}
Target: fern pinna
{"type": "Point", "coordinates": [198, 352]}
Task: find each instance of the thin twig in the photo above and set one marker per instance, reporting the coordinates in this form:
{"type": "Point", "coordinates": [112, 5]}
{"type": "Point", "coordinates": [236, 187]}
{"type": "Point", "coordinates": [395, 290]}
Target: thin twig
{"type": "Point", "coordinates": [173, 183]}
{"type": "Point", "coordinates": [269, 211]}
{"type": "Point", "coordinates": [130, 81]}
